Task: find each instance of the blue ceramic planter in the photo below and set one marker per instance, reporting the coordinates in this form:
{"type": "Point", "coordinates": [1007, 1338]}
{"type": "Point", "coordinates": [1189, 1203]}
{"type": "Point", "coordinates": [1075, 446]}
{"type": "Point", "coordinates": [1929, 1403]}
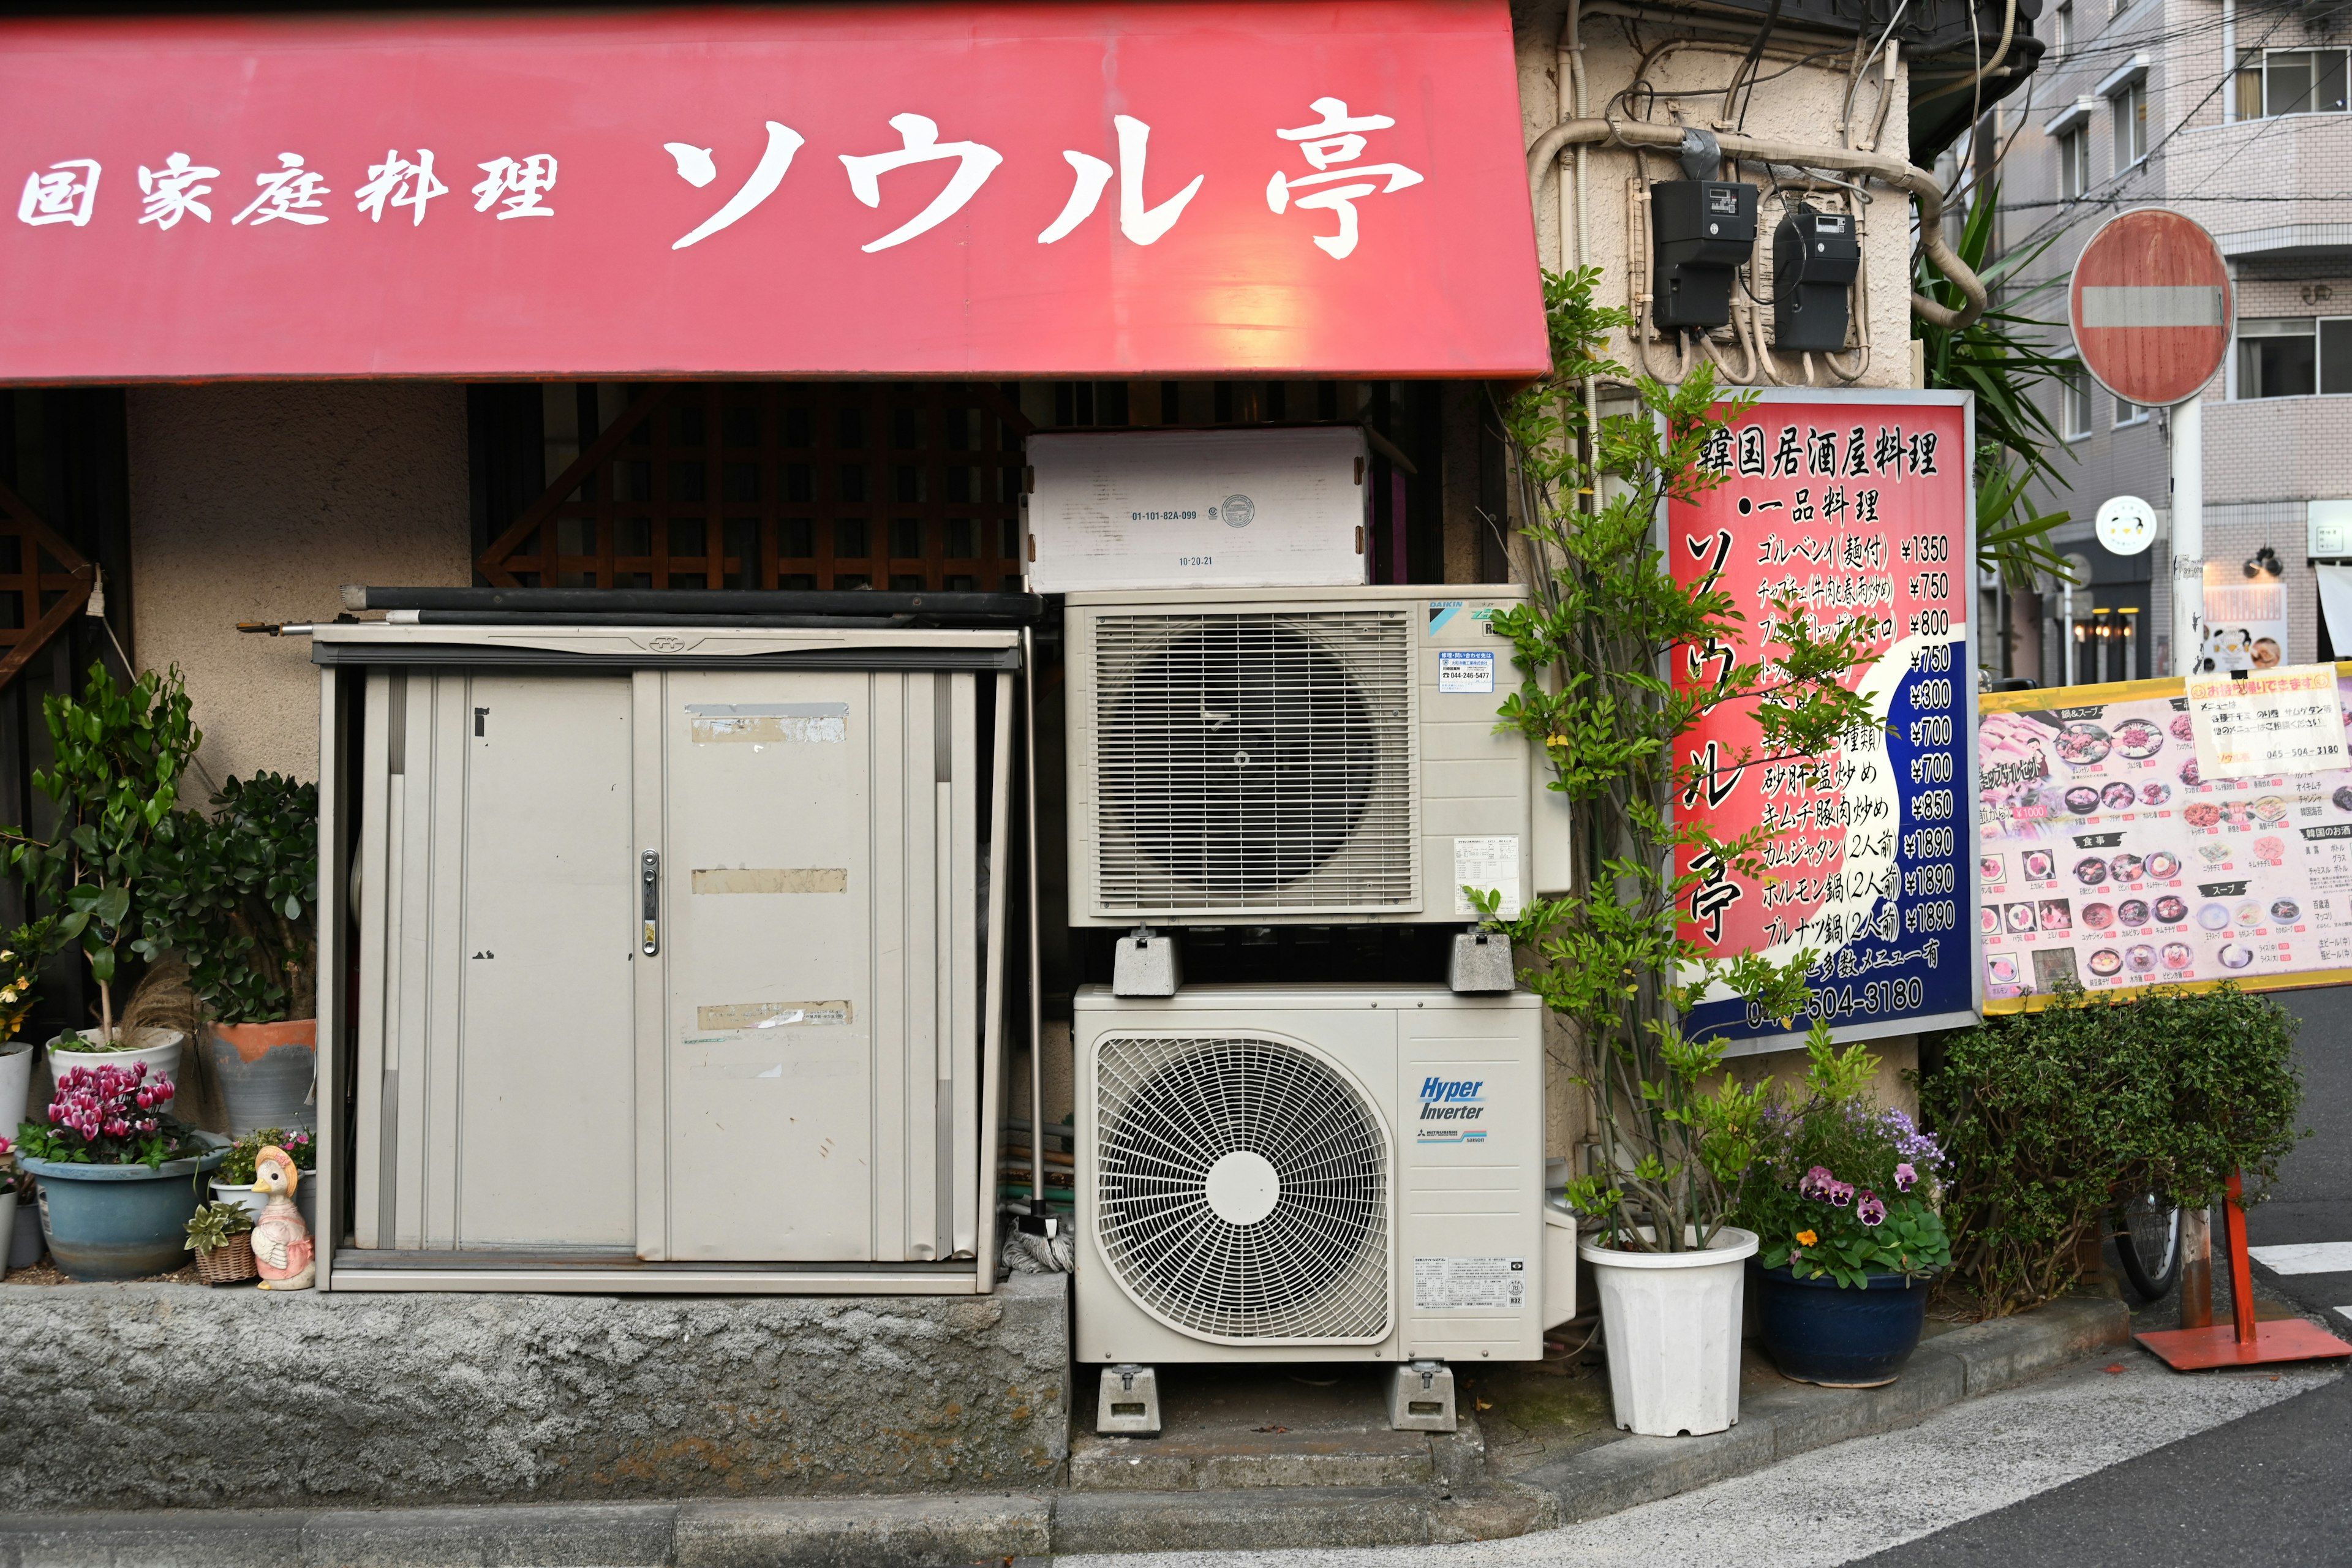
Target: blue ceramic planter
{"type": "Point", "coordinates": [1817, 1331]}
{"type": "Point", "coordinates": [121, 1221]}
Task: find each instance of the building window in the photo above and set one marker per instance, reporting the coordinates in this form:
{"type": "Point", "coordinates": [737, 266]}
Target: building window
{"type": "Point", "coordinates": [2272, 82]}
{"type": "Point", "coordinates": [2075, 415]}
{"type": "Point", "coordinates": [2129, 414]}
{"type": "Point", "coordinates": [2074, 162]}
{"type": "Point", "coordinates": [2128, 109]}
{"type": "Point", "coordinates": [2061, 30]}
{"type": "Point", "coordinates": [2278, 357]}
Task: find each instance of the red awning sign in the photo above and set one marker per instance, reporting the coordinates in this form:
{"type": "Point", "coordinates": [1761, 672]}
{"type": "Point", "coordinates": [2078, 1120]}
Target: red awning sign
{"type": "Point", "coordinates": [2151, 307]}
{"type": "Point", "coordinates": [1188, 188]}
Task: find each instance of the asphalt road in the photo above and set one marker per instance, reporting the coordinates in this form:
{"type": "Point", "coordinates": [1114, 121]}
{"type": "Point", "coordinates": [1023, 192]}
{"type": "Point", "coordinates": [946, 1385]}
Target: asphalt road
{"type": "Point", "coordinates": [2271, 1488]}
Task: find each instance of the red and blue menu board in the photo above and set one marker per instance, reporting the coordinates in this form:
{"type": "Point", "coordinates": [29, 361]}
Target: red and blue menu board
{"type": "Point", "coordinates": [2106, 858]}
{"type": "Point", "coordinates": [1858, 507]}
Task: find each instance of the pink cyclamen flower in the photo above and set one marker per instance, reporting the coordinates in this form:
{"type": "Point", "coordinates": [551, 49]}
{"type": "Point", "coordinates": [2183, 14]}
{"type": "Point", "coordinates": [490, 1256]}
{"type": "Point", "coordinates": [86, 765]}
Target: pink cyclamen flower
{"type": "Point", "coordinates": [1906, 1177]}
{"type": "Point", "coordinates": [1840, 1194]}
{"type": "Point", "coordinates": [1870, 1210]}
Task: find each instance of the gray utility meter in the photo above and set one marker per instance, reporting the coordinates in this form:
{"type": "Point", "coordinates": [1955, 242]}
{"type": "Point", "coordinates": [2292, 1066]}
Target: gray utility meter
{"type": "Point", "coordinates": [1701, 230]}
{"type": "Point", "coordinates": [1815, 255]}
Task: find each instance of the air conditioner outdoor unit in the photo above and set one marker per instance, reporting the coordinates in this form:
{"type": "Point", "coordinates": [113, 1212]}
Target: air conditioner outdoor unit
{"type": "Point", "coordinates": [1298, 755]}
{"type": "Point", "coordinates": [1311, 1173]}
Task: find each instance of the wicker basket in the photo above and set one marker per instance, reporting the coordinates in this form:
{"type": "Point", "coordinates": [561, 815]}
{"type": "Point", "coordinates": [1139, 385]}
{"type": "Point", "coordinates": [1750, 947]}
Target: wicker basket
{"type": "Point", "coordinates": [228, 1263]}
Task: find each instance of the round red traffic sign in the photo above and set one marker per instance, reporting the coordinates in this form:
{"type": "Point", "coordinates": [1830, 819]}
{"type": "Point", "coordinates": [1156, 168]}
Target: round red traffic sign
{"type": "Point", "coordinates": [2151, 307]}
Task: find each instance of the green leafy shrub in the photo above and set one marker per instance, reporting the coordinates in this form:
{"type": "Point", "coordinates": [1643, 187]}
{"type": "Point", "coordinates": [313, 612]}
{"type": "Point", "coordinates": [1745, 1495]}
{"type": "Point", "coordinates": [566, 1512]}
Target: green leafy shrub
{"type": "Point", "coordinates": [2048, 1116]}
{"type": "Point", "coordinates": [236, 892]}
{"type": "Point", "coordinates": [1593, 646]}
{"type": "Point", "coordinates": [119, 754]}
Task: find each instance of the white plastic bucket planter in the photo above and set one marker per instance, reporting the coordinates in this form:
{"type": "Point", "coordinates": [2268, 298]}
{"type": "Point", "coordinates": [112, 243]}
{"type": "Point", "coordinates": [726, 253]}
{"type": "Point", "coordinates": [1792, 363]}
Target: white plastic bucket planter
{"type": "Point", "coordinates": [15, 1084]}
{"type": "Point", "coordinates": [1672, 1325]}
{"type": "Point", "coordinates": [163, 1057]}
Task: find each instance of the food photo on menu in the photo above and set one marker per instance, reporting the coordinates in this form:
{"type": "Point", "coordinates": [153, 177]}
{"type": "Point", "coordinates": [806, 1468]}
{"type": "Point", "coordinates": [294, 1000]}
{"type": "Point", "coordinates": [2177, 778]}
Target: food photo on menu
{"type": "Point", "coordinates": [2105, 860]}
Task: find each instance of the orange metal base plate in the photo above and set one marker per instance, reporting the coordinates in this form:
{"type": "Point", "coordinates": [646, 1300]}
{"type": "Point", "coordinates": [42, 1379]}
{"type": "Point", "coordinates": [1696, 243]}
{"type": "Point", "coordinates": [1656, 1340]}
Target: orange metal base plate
{"type": "Point", "coordinates": [2285, 1338]}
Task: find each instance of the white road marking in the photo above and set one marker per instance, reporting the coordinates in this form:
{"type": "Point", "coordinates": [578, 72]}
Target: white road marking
{"type": "Point", "coordinates": [2305, 1257]}
{"type": "Point", "coordinates": [1851, 1499]}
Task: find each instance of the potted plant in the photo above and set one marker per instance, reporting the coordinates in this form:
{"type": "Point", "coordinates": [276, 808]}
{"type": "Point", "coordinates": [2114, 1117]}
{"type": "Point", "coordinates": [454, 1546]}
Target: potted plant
{"type": "Point", "coordinates": [235, 893]}
{"type": "Point", "coordinates": [233, 1182]}
{"type": "Point", "coordinates": [1844, 1194]}
{"type": "Point", "coordinates": [221, 1236]}
{"type": "Point", "coordinates": [119, 753]}
{"type": "Point", "coordinates": [20, 962]}
{"type": "Point", "coordinates": [1614, 959]}
{"type": "Point", "coordinates": [116, 1172]}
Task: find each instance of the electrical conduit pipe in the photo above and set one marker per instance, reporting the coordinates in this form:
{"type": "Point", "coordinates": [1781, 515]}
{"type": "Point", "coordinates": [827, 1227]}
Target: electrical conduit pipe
{"type": "Point", "coordinates": [1895, 171]}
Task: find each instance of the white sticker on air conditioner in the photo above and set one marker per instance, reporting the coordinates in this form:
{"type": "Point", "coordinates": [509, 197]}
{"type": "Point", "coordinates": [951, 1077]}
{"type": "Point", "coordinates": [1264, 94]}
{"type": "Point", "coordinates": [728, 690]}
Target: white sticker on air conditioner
{"type": "Point", "coordinates": [1489, 865]}
{"type": "Point", "coordinates": [1466, 670]}
{"type": "Point", "coordinates": [1474, 1284]}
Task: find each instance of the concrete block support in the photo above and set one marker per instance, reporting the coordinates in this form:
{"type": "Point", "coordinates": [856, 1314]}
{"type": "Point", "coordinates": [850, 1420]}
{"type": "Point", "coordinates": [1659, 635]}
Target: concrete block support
{"type": "Point", "coordinates": [173, 1396]}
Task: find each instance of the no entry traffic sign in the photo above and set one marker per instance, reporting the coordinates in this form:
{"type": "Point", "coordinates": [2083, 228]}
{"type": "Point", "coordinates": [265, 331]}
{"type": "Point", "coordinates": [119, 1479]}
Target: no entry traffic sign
{"type": "Point", "coordinates": [2151, 307]}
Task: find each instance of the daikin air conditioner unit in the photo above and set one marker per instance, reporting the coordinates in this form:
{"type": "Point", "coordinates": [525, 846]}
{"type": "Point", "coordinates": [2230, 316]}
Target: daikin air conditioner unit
{"type": "Point", "coordinates": [1298, 755]}
{"type": "Point", "coordinates": [1311, 1172]}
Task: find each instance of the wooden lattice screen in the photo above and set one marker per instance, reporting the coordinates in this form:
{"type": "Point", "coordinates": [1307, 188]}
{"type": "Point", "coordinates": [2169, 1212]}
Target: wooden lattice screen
{"type": "Point", "coordinates": [783, 485]}
{"type": "Point", "coordinates": [44, 583]}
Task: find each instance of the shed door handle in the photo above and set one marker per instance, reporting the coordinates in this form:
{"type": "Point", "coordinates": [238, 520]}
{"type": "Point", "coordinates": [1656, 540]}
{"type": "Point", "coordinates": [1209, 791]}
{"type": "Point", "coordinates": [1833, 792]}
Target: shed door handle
{"type": "Point", "coordinates": [653, 903]}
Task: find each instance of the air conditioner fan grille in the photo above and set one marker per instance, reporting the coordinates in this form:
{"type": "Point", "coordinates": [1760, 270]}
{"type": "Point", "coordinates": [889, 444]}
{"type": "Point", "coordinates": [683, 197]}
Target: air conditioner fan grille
{"type": "Point", "coordinates": [1307, 1258]}
{"type": "Point", "coordinates": [1255, 760]}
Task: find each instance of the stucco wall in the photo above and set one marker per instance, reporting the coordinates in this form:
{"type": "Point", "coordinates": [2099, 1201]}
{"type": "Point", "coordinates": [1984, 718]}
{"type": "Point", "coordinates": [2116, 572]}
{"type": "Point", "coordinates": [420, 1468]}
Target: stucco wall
{"type": "Point", "coordinates": [256, 502]}
{"type": "Point", "coordinates": [1801, 103]}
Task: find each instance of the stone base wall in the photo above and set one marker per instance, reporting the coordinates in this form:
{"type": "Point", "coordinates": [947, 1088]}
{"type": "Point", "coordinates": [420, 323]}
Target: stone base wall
{"type": "Point", "coordinates": [147, 1395]}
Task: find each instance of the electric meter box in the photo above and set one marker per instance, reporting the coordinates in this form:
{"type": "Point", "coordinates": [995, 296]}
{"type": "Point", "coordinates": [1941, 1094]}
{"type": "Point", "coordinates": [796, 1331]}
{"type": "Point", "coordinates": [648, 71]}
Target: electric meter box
{"type": "Point", "coordinates": [1198, 509]}
{"type": "Point", "coordinates": [1816, 256]}
{"type": "Point", "coordinates": [1700, 231]}
{"type": "Point", "coordinates": [669, 955]}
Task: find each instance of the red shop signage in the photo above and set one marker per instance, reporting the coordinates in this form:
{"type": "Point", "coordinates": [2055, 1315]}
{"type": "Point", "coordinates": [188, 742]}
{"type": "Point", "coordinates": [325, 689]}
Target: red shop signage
{"type": "Point", "coordinates": [1154, 189]}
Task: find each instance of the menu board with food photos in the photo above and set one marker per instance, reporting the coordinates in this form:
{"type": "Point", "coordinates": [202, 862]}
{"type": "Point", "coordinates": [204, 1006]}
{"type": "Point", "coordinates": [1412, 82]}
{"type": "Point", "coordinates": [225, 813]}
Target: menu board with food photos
{"type": "Point", "coordinates": [2104, 859]}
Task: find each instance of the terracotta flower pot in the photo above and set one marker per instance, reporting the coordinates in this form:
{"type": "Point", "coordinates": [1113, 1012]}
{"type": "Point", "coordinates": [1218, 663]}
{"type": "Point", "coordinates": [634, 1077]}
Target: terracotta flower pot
{"type": "Point", "coordinates": [266, 1072]}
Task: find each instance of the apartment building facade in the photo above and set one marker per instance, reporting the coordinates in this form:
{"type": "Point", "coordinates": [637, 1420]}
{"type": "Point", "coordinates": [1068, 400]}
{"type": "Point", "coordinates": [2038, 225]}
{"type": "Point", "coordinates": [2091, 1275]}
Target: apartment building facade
{"type": "Point", "coordinates": [2236, 114]}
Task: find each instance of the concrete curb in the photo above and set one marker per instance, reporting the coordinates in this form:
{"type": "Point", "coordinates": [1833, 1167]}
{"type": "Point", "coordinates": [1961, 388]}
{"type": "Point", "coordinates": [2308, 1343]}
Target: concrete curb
{"type": "Point", "coordinates": [1625, 1472]}
{"type": "Point", "coordinates": [944, 1529]}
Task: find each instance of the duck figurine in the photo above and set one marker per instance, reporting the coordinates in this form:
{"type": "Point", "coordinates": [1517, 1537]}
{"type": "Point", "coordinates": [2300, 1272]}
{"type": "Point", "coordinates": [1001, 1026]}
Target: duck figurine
{"type": "Point", "coordinates": [282, 1250]}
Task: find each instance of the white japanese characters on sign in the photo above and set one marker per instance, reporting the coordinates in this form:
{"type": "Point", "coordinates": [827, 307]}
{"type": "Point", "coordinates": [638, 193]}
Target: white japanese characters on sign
{"type": "Point", "coordinates": [2273, 723]}
{"type": "Point", "coordinates": [291, 192]}
{"type": "Point", "coordinates": [403, 184]}
{"type": "Point", "coordinates": [172, 191]}
{"type": "Point", "coordinates": [1332, 144]}
{"type": "Point", "coordinates": [66, 193]}
{"type": "Point", "coordinates": [518, 186]}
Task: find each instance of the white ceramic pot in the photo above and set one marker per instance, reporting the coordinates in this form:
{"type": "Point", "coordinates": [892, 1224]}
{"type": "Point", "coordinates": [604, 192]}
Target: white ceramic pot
{"type": "Point", "coordinates": [164, 1057]}
{"type": "Point", "coordinates": [15, 1084]}
{"type": "Point", "coordinates": [1672, 1320]}
{"type": "Point", "coordinates": [242, 1194]}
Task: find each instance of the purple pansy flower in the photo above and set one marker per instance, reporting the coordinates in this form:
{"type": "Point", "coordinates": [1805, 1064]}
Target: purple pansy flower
{"type": "Point", "coordinates": [1840, 1194]}
{"type": "Point", "coordinates": [1905, 1176]}
{"type": "Point", "coordinates": [1869, 1210]}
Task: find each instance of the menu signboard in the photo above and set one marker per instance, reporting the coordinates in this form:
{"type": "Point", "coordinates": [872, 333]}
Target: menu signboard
{"type": "Point", "coordinates": [2105, 857]}
{"type": "Point", "coordinates": [1857, 507]}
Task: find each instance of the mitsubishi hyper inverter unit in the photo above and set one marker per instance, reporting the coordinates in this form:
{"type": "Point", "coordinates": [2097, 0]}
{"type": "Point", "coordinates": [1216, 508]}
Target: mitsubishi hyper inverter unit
{"type": "Point", "coordinates": [1311, 1172]}
{"type": "Point", "coordinates": [1299, 755]}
